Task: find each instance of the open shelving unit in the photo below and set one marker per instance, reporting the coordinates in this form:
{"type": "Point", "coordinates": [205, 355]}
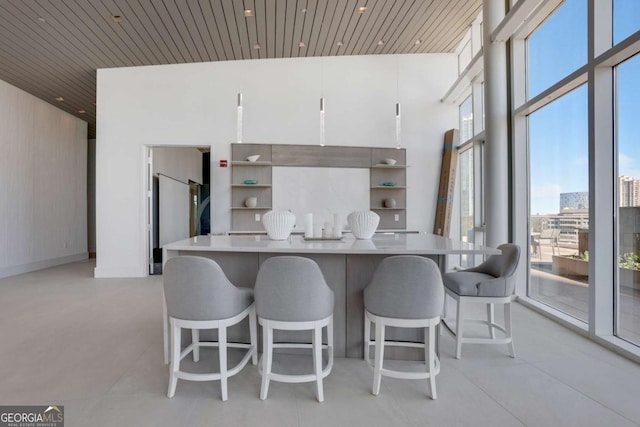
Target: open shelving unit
{"type": "Point", "coordinates": [242, 217]}
{"type": "Point", "coordinates": [396, 217]}
{"type": "Point", "coordinates": [248, 219]}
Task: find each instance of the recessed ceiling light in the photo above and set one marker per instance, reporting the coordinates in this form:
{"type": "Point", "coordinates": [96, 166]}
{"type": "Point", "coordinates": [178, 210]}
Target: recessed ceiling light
{"type": "Point", "coordinates": [117, 18]}
{"type": "Point", "coordinates": [41, 19]}
{"type": "Point", "coordinates": [362, 9]}
{"type": "Point", "coordinates": [303, 10]}
{"type": "Point", "coordinates": [302, 44]}
{"type": "Point", "coordinates": [81, 111]}
{"type": "Point", "coordinates": [248, 12]}
{"type": "Point", "coordinates": [380, 42]}
{"type": "Point", "coordinates": [418, 42]}
{"type": "Point", "coordinates": [59, 98]}
{"type": "Point", "coordinates": [339, 44]}
{"type": "Point", "coordinates": [256, 46]}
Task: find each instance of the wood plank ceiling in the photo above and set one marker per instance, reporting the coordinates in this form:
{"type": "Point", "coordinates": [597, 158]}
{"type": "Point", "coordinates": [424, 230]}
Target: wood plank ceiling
{"type": "Point", "coordinates": [52, 48]}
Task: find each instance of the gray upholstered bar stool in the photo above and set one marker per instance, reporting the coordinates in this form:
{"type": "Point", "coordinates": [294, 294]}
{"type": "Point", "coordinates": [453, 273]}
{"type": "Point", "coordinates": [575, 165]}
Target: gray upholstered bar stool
{"type": "Point", "coordinates": [492, 282]}
{"type": "Point", "coordinates": [406, 292]}
{"type": "Point", "coordinates": [291, 294]}
{"type": "Point", "coordinates": [199, 296]}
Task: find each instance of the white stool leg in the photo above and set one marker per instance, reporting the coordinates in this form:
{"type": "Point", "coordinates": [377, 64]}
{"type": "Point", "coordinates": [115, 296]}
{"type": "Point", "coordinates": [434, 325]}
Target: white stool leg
{"type": "Point", "coordinates": [267, 354]}
{"type": "Point", "coordinates": [367, 337]}
{"type": "Point", "coordinates": [379, 357]}
{"type": "Point", "coordinates": [195, 340]}
{"type": "Point", "coordinates": [175, 359]}
{"type": "Point", "coordinates": [432, 361]}
{"type": "Point", "coordinates": [444, 312]}
{"type": "Point", "coordinates": [253, 335]}
{"type": "Point", "coordinates": [330, 342]}
{"type": "Point", "coordinates": [507, 328]}
{"type": "Point", "coordinates": [165, 331]}
{"type": "Point", "coordinates": [317, 361]}
{"type": "Point", "coordinates": [459, 328]}
{"type": "Point", "coordinates": [426, 346]}
{"type": "Point", "coordinates": [490, 321]}
{"type": "Point", "coordinates": [222, 347]}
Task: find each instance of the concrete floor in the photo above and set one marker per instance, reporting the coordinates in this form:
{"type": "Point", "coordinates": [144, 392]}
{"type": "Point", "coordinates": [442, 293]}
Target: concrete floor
{"type": "Point", "coordinates": [95, 346]}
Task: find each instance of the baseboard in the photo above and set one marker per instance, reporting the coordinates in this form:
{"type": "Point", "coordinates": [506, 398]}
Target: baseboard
{"type": "Point", "coordinates": [39, 265]}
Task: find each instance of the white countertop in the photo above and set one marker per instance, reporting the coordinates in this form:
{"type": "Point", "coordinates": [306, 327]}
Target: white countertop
{"type": "Point", "coordinates": [396, 244]}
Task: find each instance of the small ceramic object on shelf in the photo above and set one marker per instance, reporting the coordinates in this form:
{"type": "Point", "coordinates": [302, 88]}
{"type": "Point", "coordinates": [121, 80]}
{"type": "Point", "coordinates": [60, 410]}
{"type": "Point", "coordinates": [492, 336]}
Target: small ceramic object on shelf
{"type": "Point", "coordinates": [363, 224]}
{"type": "Point", "coordinates": [250, 182]}
{"type": "Point", "coordinates": [389, 162]}
{"type": "Point", "coordinates": [278, 224]}
{"type": "Point", "coordinates": [389, 203]}
{"type": "Point", "coordinates": [253, 158]}
{"type": "Point", "coordinates": [251, 202]}
{"type": "Point", "coordinates": [388, 184]}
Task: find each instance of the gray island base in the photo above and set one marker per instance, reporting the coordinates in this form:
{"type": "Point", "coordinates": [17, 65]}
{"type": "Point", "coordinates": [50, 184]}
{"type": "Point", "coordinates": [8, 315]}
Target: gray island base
{"type": "Point", "coordinates": [347, 265]}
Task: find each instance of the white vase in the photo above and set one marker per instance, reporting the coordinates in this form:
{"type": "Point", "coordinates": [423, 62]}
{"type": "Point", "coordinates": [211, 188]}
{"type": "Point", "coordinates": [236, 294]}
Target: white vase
{"type": "Point", "coordinates": [278, 224]}
{"type": "Point", "coordinates": [363, 224]}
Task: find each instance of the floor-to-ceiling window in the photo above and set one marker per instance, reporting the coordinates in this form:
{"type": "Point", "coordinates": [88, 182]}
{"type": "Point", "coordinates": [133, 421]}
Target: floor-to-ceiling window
{"type": "Point", "coordinates": [470, 102]}
{"type": "Point", "coordinates": [627, 91]}
{"type": "Point", "coordinates": [559, 204]}
{"type": "Point", "coordinates": [559, 164]}
{"type": "Point", "coordinates": [575, 91]}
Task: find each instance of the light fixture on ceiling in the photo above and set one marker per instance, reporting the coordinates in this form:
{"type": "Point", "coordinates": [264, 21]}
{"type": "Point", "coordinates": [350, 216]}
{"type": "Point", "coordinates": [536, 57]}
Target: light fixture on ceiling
{"type": "Point", "coordinates": [398, 109]}
{"type": "Point", "coordinates": [322, 122]}
{"type": "Point", "coordinates": [81, 111]}
{"type": "Point", "coordinates": [59, 98]}
{"type": "Point", "coordinates": [417, 42]}
{"type": "Point", "coordinates": [302, 44]}
{"type": "Point", "coordinates": [248, 12]}
{"type": "Point", "coordinates": [322, 133]}
{"type": "Point", "coordinates": [339, 44]}
{"type": "Point", "coordinates": [41, 19]}
{"type": "Point", "coordinates": [303, 10]}
{"type": "Point", "coordinates": [239, 119]}
{"type": "Point", "coordinates": [398, 125]}
{"type": "Point", "coordinates": [380, 42]}
{"type": "Point", "coordinates": [117, 18]}
{"type": "Point", "coordinates": [362, 9]}
{"type": "Point", "coordinates": [256, 46]}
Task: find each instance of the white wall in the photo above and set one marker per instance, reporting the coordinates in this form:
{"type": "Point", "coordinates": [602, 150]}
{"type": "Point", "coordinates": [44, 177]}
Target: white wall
{"type": "Point", "coordinates": [194, 104]}
{"type": "Point", "coordinates": [181, 163]}
{"type": "Point", "coordinates": [43, 184]}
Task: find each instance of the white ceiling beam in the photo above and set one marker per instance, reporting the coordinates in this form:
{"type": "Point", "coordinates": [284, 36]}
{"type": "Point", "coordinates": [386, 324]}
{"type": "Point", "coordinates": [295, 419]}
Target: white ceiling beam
{"type": "Point", "coordinates": [524, 14]}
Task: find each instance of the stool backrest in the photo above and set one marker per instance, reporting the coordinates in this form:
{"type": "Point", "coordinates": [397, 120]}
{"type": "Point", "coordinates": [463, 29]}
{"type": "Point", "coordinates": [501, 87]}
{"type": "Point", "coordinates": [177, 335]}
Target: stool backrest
{"type": "Point", "coordinates": [196, 288]}
{"type": "Point", "coordinates": [503, 265]}
{"type": "Point", "coordinates": [405, 287]}
{"type": "Point", "coordinates": [291, 288]}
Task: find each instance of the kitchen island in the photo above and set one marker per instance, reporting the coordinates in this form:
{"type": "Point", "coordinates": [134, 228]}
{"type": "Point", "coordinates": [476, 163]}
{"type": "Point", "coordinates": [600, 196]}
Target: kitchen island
{"type": "Point", "coordinates": [347, 265]}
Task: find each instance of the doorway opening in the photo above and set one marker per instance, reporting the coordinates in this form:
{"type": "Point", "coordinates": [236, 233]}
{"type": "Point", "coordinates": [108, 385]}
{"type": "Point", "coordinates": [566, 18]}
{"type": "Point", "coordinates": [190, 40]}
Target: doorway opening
{"type": "Point", "coordinates": [178, 201]}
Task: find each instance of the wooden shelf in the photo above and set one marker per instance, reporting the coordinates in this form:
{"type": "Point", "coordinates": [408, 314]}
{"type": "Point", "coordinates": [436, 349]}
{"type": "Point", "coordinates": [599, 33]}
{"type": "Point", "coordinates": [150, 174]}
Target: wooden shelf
{"type": "Point", "coordinates": [380, 166]}
{"type": "Point", "coordinates": [248, 163]}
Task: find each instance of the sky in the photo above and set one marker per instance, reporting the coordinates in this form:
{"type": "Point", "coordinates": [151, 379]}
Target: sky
{"type": "Point", "coordinates": [558, 133]}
